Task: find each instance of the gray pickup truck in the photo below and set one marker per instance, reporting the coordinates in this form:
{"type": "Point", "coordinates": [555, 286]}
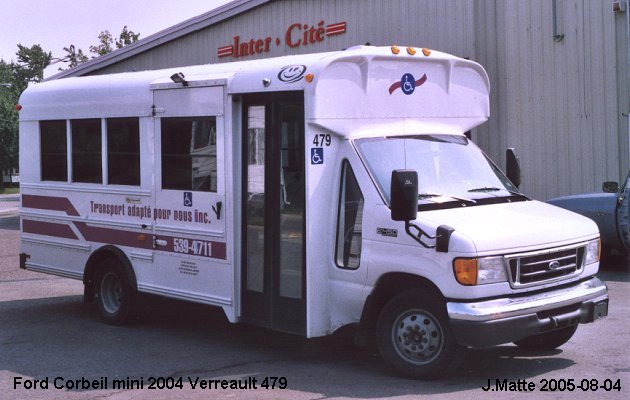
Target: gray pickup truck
{"type": "Point", "coordinates": [610, 210]}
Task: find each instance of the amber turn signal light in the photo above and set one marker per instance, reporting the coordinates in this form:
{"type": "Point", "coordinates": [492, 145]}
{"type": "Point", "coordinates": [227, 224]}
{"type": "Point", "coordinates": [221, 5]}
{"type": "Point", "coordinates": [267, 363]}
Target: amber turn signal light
{"type": "Point", "coordinates": [465, 271]}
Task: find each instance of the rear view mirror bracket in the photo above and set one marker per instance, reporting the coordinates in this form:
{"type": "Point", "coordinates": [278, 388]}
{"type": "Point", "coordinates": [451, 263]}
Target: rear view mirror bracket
{"type": "Point", "coordinates": [417, 236]}
{"type": "Point", "coordinates": [442, 236]}
{"type": "Point", "coordinates": [404, 207]}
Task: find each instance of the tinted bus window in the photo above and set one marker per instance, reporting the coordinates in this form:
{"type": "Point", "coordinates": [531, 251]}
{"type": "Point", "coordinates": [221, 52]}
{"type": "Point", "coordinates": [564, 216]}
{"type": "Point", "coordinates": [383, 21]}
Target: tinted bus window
{"type": "Point", "coordinates": [123, 151]}
{"type": "Point", "coordinates": [54, 151]}
{"type": "Point", "coordinates": [86, 151]}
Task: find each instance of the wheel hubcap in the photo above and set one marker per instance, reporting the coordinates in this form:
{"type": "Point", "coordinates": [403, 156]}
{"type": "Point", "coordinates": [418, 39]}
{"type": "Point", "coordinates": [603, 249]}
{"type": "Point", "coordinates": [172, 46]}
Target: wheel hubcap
{"type": "Point", "coordinates": [111, 293]}
{"type": "Point", "coordinates": [417, 336]}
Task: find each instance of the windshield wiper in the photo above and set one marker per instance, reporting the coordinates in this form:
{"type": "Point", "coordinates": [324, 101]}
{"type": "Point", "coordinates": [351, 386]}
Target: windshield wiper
{"type": "Point", "coordinates": [485, 189]}
{"type": "Point", "coordinates": [423, 196]}
{"type": "Point", "coordinates": [496, 189]}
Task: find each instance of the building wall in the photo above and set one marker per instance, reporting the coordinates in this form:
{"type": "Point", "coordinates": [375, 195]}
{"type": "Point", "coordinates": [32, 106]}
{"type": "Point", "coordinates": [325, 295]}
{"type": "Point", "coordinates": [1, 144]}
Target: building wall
{"type": "Point", "coordinates": [381, 23]}
{"type": "Point", "coordinates": [561, 104]}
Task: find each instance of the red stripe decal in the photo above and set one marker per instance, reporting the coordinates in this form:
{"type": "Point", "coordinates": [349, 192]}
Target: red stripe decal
{"type": "Point", "coordinates": [421, 80]}
{"type": "Point", "coordinates": [224, 51]}
{"type": "Point", "coordinates": [49, 203]}
{"type": "Point", "coordinates": [335, 29]}
{"type": "Point", "coordinates": [138, 239]}
{"type": "Point", "coordinates": [131, 239]}
{"type": "Point", "coordinates": [337, 25]}
{"type": "Point", "coordinates": [48, 229]}
{"type": "Point", "coordinates": [393, 87]}
{"type": "Point", "coordinates": [114, 236]}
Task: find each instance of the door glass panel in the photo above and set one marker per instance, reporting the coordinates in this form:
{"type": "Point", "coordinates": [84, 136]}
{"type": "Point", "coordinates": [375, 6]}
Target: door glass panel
{"type": "Point", "coordinates": [349, 225]}
{"type": "Point", "coordinates": [189, 154]}
{"type": "Point", "coordinates": [291, 201]}
{"type": "Point", "coordinates": [255, 197]}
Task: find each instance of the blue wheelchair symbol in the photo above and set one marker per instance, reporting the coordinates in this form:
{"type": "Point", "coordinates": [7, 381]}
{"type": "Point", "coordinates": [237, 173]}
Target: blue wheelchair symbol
{"type": "Point", "coordinates": [408, 84]}
{"type": "Point", "coordinates": [188, 199]}
{"type": "Point", "coordinates": [317, 155]}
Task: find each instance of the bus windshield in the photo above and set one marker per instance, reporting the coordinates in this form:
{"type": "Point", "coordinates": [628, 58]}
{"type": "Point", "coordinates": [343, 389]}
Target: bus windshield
{"type": "Point", "coordinates": [449, 167]}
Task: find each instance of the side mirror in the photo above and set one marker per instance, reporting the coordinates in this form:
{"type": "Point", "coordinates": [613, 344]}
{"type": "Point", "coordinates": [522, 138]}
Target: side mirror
{"type": "Point", "coordinates": [404, 192]}
{"type": "Point", "coordinates": [512, 167]}
{"type": "Point", "coordinates": [610, 187]}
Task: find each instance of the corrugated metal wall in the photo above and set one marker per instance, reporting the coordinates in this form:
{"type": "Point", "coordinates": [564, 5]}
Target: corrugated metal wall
{"type": "Point", "coordinates": [404, 22]}
{"type": "Point", "coordinates": [560, 104]}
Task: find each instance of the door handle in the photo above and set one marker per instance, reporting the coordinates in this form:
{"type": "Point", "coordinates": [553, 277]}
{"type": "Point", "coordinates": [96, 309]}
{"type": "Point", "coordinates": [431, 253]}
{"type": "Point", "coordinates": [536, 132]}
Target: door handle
{"type": "Point", "coordinates": [158, 242]}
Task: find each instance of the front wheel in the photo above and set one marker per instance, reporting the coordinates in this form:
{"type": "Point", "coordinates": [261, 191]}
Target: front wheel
{"type": "Point", "coordinates": [114, 295]}
{"type": "Point", "coordinates": [547, 341]}
{"type": "Point", "coordinates": [414, 336]}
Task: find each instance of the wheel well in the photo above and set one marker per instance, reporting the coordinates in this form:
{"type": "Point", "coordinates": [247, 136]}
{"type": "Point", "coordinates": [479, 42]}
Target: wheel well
{"type": "Point", "coordinates": [387, 287]}
{"type": "Point", "coordinates": [92, 269]}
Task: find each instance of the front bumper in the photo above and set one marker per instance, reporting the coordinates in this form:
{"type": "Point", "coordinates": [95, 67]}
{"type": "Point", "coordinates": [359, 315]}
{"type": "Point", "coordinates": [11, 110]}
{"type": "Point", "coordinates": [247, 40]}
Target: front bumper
{"type": "Point", "coordinates": [492, 322]}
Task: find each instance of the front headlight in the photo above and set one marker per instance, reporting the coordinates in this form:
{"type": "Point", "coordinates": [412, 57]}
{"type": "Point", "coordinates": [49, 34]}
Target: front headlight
{"type": "Point", "coordinates": [593, 251]}
{"type": "Point", "coordinates": [480, 271]}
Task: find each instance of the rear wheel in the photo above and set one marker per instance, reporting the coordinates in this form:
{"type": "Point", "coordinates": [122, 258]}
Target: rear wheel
{"type": "Point", "coordinates": [115, 295]}
{"type": "Point", "coordinates": [414, 336]}
{"type": "Point", "coordinates": [548, 340]}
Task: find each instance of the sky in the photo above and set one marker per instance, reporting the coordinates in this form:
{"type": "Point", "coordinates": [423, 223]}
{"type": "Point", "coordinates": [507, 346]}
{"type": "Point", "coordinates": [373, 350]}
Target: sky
{"type": "Point", "coordinates": [55, 24]}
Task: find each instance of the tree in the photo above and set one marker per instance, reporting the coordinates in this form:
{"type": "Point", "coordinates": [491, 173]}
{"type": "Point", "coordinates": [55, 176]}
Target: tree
{"type": "Point", "coordinates": [15, 77]}
{"type": "Point", "coordinates": [74, 57]}
{"type": "Point", "coordinates": [126, 37]}
{"type": "Point", "coordinates": [7, 120]}
{"type": "Point", "coordinates": [29, 67]}
{"type": "Point", "coordinates": [105, 45]}
{"type": "Point", "coordinates": [31, 62]}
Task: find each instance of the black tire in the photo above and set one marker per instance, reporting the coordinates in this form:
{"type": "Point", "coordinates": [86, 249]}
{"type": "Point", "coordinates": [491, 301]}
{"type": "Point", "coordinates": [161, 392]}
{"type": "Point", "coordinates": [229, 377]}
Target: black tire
{"type": "Point", "coordinates": [115, 296]}
{"type": "Point", "coordinates": [547, 341]}
{"type": "Point", "coordinates": [414, 336]}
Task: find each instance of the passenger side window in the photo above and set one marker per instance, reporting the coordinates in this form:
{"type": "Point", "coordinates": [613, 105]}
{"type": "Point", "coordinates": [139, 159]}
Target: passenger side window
{"type": "Point", "coordinates": [123, 151]}
{"type": "Point", "coordinates": [54, 150]}
{"type": "Point", "coordinates": [189, 154]}
{"type": "Point", "coordinates": [349, 223]}
{"type": "Point", "coordinates": [86, 151]}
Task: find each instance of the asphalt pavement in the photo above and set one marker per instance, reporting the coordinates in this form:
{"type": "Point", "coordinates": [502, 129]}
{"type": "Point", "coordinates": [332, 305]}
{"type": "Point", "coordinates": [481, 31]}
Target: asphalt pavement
{"type": "Point", "coordinates": [9, 204]}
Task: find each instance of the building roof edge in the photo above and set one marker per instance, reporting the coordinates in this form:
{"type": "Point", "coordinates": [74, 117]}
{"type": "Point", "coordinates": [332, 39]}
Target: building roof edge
{"type": "Point", "coordinates": [183, 28]}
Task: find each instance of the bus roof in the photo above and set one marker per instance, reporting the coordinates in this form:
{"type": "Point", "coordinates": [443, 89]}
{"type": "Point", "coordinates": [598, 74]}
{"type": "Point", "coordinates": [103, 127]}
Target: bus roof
{"type": "Point", "coordinates": [413, 91]}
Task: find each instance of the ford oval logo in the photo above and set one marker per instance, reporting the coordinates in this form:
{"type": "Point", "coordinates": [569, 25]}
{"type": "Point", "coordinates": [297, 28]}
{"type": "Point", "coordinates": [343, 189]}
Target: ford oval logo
{"type": "Point", "coordinates": [554, 265]}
